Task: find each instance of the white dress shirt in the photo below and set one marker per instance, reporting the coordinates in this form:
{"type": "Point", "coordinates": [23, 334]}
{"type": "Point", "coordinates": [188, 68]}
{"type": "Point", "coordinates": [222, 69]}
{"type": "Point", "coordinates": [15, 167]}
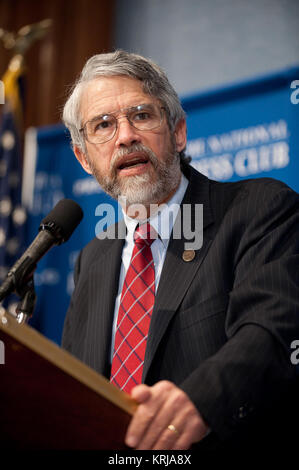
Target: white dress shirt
{"type": "Point", "coordinates": [162, 222]}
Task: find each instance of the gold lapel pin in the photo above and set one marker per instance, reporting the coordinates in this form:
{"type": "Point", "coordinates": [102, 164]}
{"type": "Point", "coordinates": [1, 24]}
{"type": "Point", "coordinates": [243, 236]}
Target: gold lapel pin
{"type": "Point", "coordinates": [188, 255]}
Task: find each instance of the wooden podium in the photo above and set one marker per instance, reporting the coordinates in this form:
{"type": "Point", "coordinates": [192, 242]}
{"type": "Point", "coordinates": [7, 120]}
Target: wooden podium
{"type": "Point", "coordinates": [51, 400]}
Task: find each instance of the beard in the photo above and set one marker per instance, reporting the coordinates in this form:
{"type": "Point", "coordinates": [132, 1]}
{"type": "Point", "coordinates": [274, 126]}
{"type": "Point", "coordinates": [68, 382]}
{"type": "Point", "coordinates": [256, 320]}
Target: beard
{"type": "Point", "coordinates": [141, 189]}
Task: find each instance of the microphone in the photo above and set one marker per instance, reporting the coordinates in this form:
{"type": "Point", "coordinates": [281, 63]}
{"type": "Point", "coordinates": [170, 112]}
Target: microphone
{"type": "Point", "coordinates": [55, 228]}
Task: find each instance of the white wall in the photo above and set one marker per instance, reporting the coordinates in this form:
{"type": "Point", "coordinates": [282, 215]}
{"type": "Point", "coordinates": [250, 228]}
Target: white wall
{"type": "Point", "coordinates": [206, 43]}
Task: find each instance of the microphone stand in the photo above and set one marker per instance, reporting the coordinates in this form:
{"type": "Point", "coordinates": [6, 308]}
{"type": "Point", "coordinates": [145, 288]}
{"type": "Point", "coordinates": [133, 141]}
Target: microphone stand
{"type": "Point", "coordinates": [25, 307]}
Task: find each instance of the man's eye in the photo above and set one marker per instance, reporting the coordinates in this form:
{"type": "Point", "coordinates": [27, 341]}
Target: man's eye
{"type": "Point", "coordinates": [142, 116]}
{"type": "Point", "coordinates": [102, 125]}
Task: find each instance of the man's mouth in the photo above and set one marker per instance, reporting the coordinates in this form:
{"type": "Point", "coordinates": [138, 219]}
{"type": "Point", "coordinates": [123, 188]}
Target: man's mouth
{"type": "Point", "coordinates": [132, 161]}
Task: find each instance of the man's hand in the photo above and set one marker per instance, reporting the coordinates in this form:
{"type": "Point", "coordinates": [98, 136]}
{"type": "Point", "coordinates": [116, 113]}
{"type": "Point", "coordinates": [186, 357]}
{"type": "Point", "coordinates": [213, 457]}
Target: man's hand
{"type": "Point", "coordinates": [162, 405]}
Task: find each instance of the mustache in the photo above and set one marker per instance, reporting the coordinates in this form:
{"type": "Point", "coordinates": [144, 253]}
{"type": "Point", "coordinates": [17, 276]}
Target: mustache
{"type": "Point", "coordinates": [138, 147]}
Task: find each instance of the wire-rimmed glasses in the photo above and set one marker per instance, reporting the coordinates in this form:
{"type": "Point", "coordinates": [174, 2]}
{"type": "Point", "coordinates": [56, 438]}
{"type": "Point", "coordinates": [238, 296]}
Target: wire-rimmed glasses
{"type": "Point", "coordinates": [102, 128]}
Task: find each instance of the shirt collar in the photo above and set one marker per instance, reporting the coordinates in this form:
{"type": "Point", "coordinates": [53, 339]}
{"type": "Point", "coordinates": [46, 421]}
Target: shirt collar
{"type": "Point", "coordinates": [164, 219]}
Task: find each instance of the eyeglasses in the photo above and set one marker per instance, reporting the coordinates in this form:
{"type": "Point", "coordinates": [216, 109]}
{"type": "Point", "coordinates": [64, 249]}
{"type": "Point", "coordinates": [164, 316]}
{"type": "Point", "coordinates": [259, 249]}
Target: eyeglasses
{"type": "Point", "coordinates": [144, 117]}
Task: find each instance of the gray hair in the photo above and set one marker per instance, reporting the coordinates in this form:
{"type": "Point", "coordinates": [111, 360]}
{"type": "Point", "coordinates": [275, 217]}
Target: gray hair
{"type": "Point", "coordinates": [153, 78]}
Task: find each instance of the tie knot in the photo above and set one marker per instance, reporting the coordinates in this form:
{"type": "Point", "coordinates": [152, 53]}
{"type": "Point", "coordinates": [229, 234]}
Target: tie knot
{"type": "Point", "coordinates": [145, 234]}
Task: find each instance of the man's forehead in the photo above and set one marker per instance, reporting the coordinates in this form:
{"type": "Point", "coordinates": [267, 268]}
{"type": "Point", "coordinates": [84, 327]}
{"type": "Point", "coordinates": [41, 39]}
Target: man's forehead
{"type": "Point", "coordinates": [105, 85]}
{"type": "Point", "coordinates": [108, 93]}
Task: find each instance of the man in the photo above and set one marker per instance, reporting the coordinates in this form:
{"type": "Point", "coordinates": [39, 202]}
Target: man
{"type": "Point", "coordinates": [215, 365]}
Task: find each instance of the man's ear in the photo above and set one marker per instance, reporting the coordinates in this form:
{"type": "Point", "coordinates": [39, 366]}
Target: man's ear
{"type": "Point", "coordinates": [82, 159]}
{"type": "Point", "coordinates": [180, 135]}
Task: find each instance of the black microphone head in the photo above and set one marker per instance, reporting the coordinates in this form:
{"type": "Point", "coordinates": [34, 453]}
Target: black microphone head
{"type": "Point", "coordinates": [63, 219]}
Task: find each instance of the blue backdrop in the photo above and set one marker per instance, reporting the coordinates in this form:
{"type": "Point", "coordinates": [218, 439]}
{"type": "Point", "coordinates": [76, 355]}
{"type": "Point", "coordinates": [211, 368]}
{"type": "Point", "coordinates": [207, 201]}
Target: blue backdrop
{"type": "Point", "coordinates": [246, 130]}
{"type": "Point", "coordinates": [58, 175]}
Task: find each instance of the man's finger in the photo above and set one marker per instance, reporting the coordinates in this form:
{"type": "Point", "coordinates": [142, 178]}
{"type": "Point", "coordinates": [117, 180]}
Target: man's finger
{"type": "Point", "coordinates": [144, 414]}
{"type": "Point", "coordinates": [155, 429]}
{"type": "Point", "coordinates": [141, 393]}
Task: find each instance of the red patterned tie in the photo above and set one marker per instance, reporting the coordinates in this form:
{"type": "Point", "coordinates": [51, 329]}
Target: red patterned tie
{"type": "Point", "coordinates": [135, 310]}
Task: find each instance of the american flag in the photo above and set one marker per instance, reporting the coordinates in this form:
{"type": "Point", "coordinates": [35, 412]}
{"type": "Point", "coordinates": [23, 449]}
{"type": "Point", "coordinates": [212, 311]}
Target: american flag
{"type": "Point", "coordinates": [12, 214]}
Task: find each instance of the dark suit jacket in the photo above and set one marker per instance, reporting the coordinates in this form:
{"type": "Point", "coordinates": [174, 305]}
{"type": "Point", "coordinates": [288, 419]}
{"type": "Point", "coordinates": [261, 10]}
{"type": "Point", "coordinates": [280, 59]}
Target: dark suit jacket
{"type": "Point", "coordinates": [223, 323]}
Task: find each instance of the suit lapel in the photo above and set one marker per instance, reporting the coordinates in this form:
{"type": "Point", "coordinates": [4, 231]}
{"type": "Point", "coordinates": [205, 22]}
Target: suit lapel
{"type": "Point", "coordinates": [177, 274]}
{"type": "Point", "coordinates": [103, 288]}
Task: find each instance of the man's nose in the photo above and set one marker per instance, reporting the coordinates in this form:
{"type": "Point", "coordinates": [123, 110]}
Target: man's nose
{"type": "Point", "coordinates": [126, 134]}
